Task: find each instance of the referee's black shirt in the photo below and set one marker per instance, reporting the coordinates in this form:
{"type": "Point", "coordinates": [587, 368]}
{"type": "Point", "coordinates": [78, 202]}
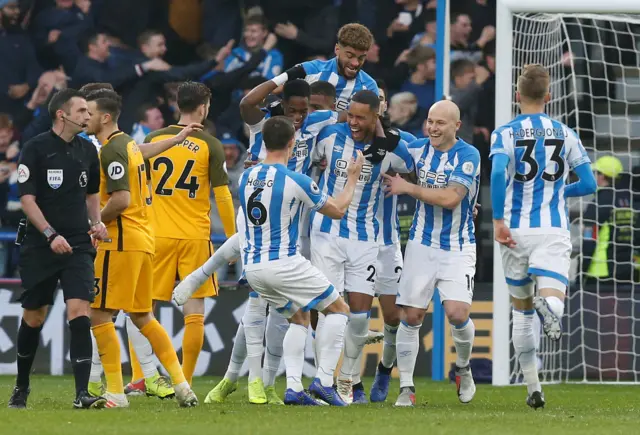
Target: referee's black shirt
{"type": "Point", "coordinates": [60, 174]}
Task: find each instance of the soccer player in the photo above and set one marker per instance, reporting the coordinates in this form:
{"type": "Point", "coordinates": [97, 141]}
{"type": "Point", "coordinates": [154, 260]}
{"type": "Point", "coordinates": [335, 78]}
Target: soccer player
{"type": "Point", "coordinates": [343, 71]}
{"type": "Point", "coordinates": [182, 178]}
{"type": "Point", "coordinates": [532, 156]}
{"type": "Point", "coordinates": [271, 197]}
{"type": "Point", "coordinates": [123, 265]}
{"type": "Point", "coordinates": [346, 250]}
{"type": "Point", "coordinates": [441, 251]}
{"type": "Point", "coordinates": [323, 96]}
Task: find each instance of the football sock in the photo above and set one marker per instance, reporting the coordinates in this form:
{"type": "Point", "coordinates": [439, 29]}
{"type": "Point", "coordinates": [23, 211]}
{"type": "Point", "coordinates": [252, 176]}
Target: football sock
{"type": "Point", "coordinates": [143, 364]}
{"type": "Point", "coordinates": [556, 305]}
{"type": "Point", "coordinates": [329, 342]}
{"type": "Point", "coordinates": [537, 331]}
{"type": "Point", "coordinates": [407, 346]}
{"type": "Point", "coordinates": [109, 348]}
{"type": "Point", "coordinates": [192, 342]}
{"type": "Point", "coordinates": [277, 327]}
{"type": "Point", "coordinates": [357, 368]}
{"type": "Point", "coordinates": [238, 355]}
{"type": "Point", "coordinates": [354, 339]}
{"type": "Point", "coordinates": [163, 348]}
{"type": "Point", "coordinates": [254, 321]}
{"type": "Point", "coordinates": [28, 341]}
{"type": "Point", "coordinates": [389, 345]}
{"type": "Point", "coordinates": [293, 352]}
{"type": "Point", "coordinates": [525, 347]}
{"type": "Point", "coordinates": [316, 344]}
{"type": "Point", "coordinates": [80, 351]}
{"type": "Point", "coordinates": [463, 336]}
{"type": "Point", "coordinates": [230, 250]}
{"type": "Point", "coordinates": [96, 365]}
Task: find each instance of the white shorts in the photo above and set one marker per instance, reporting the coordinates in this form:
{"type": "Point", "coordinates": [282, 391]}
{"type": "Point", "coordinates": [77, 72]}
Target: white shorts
{"type": "Point", "coordinates": [292, 284]}
{"type": "Point", "coordinates": [543, 257]}
{"type": "Point", "coordinates": [427, 269]}
{"type": "Point", "coordinates": [349, 264]}
{"type": "Point", "coordinates": [388, 269]}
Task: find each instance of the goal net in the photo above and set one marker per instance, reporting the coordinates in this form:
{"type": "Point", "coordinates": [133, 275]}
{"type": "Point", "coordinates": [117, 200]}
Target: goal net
{"type": "Point", "coordinates": [594, 64]}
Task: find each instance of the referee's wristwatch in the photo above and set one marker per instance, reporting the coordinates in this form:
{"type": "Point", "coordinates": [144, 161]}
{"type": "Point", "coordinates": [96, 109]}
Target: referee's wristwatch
{"type": "Point", "coordinates": [50, 234]}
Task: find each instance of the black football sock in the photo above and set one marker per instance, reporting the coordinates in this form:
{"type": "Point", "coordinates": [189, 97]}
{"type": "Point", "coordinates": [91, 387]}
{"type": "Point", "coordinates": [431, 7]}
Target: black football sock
{"type": "Point", "coordinates": [28, 341]}
{"type": "Point", "coordinates": [80, 351]}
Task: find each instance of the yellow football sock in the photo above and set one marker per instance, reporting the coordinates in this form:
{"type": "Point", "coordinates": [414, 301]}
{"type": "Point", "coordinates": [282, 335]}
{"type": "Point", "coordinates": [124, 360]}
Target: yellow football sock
{"type": "Point", "coordinates": [109, 349]}
{"type": "Point", "coordinates": [136, 368]}
{"type": "Point", "coordinates": [163, 348]}
{"type": "Point", "coordinates": [192, 343]}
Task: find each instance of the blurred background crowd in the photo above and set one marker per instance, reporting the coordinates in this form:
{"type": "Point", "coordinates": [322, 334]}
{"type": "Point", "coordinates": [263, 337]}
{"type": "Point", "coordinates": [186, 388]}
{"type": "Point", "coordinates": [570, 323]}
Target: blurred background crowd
{"type": "Point", "coordinates": [144, 48]}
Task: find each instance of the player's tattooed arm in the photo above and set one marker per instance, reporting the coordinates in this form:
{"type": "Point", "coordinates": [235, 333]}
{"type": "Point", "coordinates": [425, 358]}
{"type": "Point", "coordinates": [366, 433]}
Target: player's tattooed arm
{"type": "Point", "coordinates": [251, 103]}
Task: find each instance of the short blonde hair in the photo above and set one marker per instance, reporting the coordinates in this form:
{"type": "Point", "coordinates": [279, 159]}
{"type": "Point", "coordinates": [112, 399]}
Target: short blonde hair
{"type": "Point", "coordinates": [533, 83]}
{"type": "Point", "coordinates": [356, 36]}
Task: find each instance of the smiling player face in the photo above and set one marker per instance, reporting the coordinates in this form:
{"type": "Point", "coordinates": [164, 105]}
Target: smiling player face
{"type": "Point", "coordinates": [296, 109]}
{"type": "Point", "coordinates": [443, 123]}
{"type": "Point", "coordinates": [362, 121]}
{"type": "Point", "coordinates": [350, 60]}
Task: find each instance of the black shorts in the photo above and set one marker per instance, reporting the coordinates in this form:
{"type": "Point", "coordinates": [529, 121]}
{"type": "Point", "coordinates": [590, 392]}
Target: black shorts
{"type": "Point", "coordinates": [41, 270]}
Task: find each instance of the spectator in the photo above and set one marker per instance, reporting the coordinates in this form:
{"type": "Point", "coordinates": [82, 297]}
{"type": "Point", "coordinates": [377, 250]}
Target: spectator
{"type": "Point", "coordinates": [483, 14]}
{"type": "Point", "coordinates": [608, 245]}
{"type": "Point", "coordinates": [460, 33]}
{"type": "Point", "coordinates": [149, 119]}
{"type": "Point", "coordinates": [466, 79]}
{"type": "Point", "coordinates": [57, 30]}
{"type": "Point", "coordinates": [428, 37]}
{"type": "Point", "coordinates": [94, 66]}
{"type": "Point", "coordinates": [404, 20]}
{"type": "Point", "coordinates": [220, 21]}
{"type": "Point", "coordinates": [230, 120]}
{"type": "Point", "coordinates": [485, 115]}
{"type": "Point", "coordinates": [317, 35]}
{"type": "Point", "coordinates": [10, 208]}
{"type": "Point", "coordinates": [421, 83]}
{"type": "Point", "coordinates": [254, 38]}
{"type": "Point", "coordinates": [234, 153]}
{"type": "Point", "coordinates": [405, 114]}
{"type": "Point", "coordinates": [19, 69]}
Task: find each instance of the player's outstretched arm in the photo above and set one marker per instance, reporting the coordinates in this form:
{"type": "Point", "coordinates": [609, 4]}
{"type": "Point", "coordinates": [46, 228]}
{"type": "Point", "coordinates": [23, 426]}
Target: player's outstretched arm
{"type": "Point", "coordinates": [152, 149]}
{"type": "Point", "coordinates": [335, 208]}
{"type": "Point", "coordinates": [448, 197]}
{"type": "Point", "coordinates": [586, 184]}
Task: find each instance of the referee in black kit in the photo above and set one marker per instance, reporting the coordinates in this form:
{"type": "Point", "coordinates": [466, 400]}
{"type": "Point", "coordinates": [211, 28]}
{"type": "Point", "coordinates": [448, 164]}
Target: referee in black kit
{"type": "Point", "coordinates": [58, 183]}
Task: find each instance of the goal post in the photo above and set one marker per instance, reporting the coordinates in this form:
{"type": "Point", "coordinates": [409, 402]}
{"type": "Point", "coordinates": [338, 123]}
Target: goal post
{"type": "Point", "coordinates": [566, 37]}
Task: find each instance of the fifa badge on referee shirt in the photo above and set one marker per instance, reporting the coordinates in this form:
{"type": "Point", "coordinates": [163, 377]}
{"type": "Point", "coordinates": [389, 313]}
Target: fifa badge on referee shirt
{"type": "Point", "coordinates": [54, 178]}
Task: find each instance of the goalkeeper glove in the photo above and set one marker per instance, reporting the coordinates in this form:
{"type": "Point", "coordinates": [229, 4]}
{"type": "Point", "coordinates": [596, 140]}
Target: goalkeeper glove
{"type": "Point", "coordinates": [380, 146]}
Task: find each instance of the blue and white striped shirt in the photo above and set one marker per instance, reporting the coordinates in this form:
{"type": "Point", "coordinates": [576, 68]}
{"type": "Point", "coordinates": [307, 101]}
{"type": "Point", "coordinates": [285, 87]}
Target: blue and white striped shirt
{"type": "Point", "coordinates": [388, 210]}
{"type": "Point", "coordinates": [272, 197]}
{"type": "Point", "coordinates": [436, 226]}
{"type": "Point", "coordinates": [269, 68]}
{"type": "Point", "coordinates": [541, 153]}
{"type": "Point", "coordinates": [360, 222]}
{"type": "Point", "coordinates": [305, 139]}
{"type": "Point", "coordinates": [327, 71]}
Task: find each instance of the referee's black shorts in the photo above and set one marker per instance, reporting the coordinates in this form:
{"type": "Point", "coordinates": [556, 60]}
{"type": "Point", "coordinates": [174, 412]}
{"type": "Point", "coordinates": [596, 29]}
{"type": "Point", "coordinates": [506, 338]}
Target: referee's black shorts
{"type": "Point", "coordinates": [41, 269]}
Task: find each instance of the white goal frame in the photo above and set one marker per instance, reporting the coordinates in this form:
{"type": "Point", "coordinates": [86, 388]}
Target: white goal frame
{"type": "Point", "coordinates": [504, 99]}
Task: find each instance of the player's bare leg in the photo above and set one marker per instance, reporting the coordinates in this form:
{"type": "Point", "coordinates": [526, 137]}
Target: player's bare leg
{"type": "Point", "coordinates": [550, 305]}
{"type": "Point", "coordinates": [463, 332]}
{"type": "Point", "coordinates": [524, 342]}
{"type": "Point", "coordinates": [163, 348]}
{"type": "Point", "coordinates": [391, 314]}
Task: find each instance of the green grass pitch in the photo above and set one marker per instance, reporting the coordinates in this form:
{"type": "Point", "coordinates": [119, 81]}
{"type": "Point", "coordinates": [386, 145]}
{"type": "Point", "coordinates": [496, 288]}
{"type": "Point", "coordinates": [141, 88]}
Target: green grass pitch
{"type": "Point", "coordinates": [579, 409]}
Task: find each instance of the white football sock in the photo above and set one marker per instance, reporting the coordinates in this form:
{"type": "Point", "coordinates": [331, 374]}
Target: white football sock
{"type": "Point", "coordinates": [357, 369]}
{"type": "Point", "coordinates": [537, 331]}
{"type": "Point", "coordinates": [525, 347]}
{"type": "Point", "coordinates": [142, 348]}
{"type": "Point", "coordinates": [330, 341]}
{"type": "Point", "coordinates": [254, 321]}
{"type": "Point", "coordinates": [354, 338]}
{"type": "Point", "coordinates": [238, 355]}
{"type": "Point", "coordinates": [293, 349]}
{"type": "Point", "coordinates": [463, 336]}
{"type": "Point", "coordinates": [316, 347]}
{"type": "Point", "coordinates": [556, 305]}
{"type": "Point", "coordinates": [96, 365]}
{"type": "Point", "coordinates": [229, 251]}
{"type": "Point", "coordinates": [389, 345]}
{"type": "Point", "coordinates": [407, 346]}
{"type": "Point", "coordinates": [277, 327]}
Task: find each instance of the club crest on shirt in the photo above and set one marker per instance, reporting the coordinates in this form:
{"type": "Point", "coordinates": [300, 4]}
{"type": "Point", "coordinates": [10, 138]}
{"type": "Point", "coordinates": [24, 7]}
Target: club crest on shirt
{"type": "Point", "coordinates": [55, 177]}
